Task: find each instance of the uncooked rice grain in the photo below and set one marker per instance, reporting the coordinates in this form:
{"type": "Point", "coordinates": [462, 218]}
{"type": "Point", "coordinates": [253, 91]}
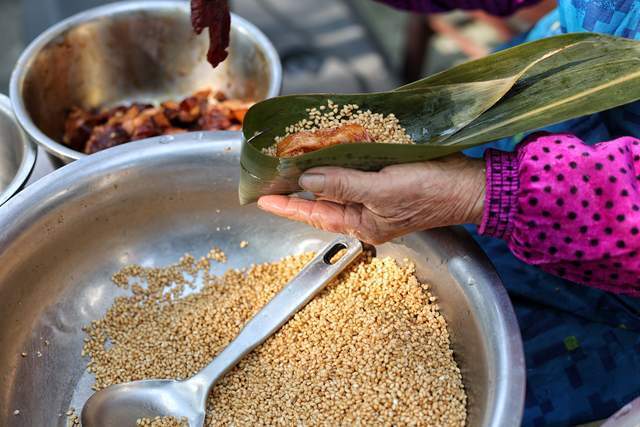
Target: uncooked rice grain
{"type": "Point", "coordinates": [73, 419]}
{"type": "Point", "coordinates": [371, 349]}
{"type": "Point", "coordinates": [162, 422]}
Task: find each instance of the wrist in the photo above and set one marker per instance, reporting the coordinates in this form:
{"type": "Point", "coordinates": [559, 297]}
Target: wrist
{"type": "Point", "coordinates": [477, 192]}
{"type": "Point", "coordinates": [463, 190]}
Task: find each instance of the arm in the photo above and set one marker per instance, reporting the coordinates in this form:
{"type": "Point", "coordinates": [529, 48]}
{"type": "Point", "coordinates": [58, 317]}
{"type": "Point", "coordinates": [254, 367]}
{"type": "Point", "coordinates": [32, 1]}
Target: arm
{"type": "Point", "coordinates": [571, 209]}
{"type": "Point", "coordinates": [497, 7]}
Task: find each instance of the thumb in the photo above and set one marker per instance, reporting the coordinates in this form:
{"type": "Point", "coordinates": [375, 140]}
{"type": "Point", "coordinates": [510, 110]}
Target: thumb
{"type": "Point", "coordinates": [339, 184]}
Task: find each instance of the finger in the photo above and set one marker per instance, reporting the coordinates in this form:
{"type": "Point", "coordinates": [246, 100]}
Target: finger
{"type": "Point", "coordinates": [325, 215]}
{"type": "Point", "coordinates": [340, 184]}
{"type": "Point", "coordinates": [353, 220]}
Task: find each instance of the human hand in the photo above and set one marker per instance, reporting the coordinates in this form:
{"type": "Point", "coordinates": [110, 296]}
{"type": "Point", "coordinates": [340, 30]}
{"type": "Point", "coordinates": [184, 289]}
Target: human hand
{"type": "Point", "coordinates": [376, 207]}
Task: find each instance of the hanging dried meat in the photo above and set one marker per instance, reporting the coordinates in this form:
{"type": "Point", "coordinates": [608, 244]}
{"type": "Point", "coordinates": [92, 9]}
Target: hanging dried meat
{"type": "Point", "coordinates": [215, 15]}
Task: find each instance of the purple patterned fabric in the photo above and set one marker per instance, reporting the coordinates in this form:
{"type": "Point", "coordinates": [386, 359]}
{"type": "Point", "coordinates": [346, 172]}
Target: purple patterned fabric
{"type": "Point", "coordinates": [496, 7]}
{"type": "Point", "coordinates": [502, 193]}
{"type": "Point", "coordinates": [571, 209]}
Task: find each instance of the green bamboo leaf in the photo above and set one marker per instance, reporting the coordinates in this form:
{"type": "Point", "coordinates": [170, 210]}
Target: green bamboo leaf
{"type": "Point", "coordinates": [450, 108]}
{"type": "Point", "coordinates": [517, 90]}
{"type": "Point", "coordinates": [585, 89]}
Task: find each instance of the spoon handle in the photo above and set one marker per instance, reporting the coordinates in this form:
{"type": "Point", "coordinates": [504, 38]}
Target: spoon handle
{"type": "Point", "coordinates": [302, 289]}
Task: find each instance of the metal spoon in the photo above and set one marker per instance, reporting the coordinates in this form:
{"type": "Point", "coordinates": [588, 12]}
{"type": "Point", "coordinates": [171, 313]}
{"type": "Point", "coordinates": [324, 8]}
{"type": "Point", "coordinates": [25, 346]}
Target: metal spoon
{"type": "Point", "coordinates": [122, 405]}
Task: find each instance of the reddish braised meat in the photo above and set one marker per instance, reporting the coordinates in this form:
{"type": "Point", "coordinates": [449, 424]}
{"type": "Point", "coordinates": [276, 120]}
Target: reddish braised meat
{"type": "Point", "coordinates": [106, 136]}
{"type": "Point", "coordinates": [214, 118]}
{"type": "Point", "coordinates": [79, 126]}
{"type": "Point", "coordinates": [93, 130]}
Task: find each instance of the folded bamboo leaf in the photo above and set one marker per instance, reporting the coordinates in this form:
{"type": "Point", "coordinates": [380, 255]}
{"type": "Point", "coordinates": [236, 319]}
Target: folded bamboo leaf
{"type": "Point", "coordinates": [517, 90]}
{"type": "Point", "coordinates": [585, 88]}
{"type": "Point", "coordinates": [449, 107]}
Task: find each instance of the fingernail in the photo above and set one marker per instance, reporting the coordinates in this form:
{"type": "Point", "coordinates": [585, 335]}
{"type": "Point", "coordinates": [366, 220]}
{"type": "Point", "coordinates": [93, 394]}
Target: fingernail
{"type": "Point", "coordinates": [313, 182]}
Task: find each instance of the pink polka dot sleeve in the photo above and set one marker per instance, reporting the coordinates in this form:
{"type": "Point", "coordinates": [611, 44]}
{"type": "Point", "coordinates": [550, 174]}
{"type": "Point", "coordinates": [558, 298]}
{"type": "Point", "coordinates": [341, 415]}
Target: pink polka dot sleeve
{"type": "Point", "coordinates": [571, 209]}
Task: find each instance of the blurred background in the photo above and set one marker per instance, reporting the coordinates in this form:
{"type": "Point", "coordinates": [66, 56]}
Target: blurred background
{"type": "Point", "coordinates": [328, 45]}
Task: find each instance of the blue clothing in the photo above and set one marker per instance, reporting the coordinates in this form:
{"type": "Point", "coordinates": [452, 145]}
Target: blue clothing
{"type": "Point", "coordinates": [582, 345]}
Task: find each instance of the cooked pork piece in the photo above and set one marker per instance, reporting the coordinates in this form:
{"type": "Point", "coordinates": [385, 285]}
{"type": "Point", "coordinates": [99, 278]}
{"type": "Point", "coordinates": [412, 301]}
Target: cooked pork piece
{"type": "Point", "coordinates": [308, 141]}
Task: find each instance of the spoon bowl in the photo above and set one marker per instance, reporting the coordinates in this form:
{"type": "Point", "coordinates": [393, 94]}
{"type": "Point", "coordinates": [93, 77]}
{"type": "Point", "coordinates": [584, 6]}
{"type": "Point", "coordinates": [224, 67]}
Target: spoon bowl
{"type": "Point", "coordinates": [124, 404]}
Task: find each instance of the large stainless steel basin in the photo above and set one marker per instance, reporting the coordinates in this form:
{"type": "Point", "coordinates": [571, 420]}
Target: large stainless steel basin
{"type": "Point", "coordinates": [150, 202]}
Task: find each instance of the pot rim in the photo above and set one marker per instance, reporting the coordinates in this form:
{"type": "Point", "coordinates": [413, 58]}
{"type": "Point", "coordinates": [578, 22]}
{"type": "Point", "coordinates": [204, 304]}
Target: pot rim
{"type": "Point", "coordinates": [29, 155]}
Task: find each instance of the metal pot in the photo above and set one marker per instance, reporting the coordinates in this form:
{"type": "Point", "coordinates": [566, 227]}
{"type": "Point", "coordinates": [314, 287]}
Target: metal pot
{"type": "Point", "coordinates": [131, 51]}
{"type": "Point", "coordinates": [150, 202]}
{"type": "Point", "coordinates": [17, 153]}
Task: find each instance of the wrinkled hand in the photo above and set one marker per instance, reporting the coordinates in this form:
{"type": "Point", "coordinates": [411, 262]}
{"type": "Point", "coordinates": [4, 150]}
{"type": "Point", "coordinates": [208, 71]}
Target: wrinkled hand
{"type": "Point", "coordinates": [376, 207]}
